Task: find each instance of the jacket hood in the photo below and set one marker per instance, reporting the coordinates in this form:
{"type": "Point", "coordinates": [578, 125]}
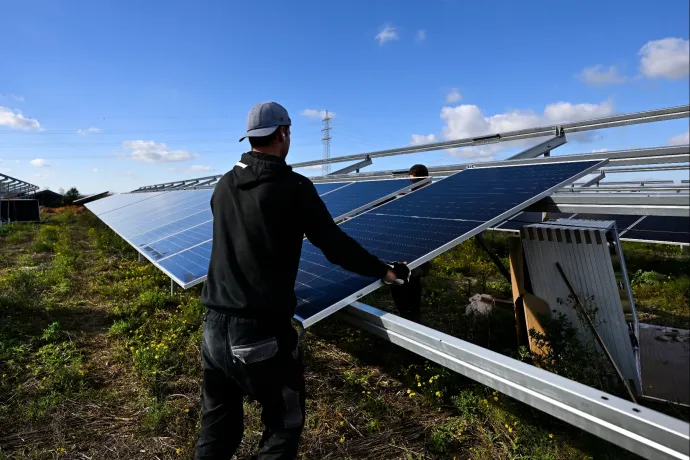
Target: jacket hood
{"type": "Point", "coordinates": [255, 168]}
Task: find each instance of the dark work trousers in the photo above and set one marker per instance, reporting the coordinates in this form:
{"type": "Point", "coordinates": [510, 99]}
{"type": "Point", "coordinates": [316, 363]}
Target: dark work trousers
{"type": "Point", "coordinates": [259, 359]}
{"type": "Point", "coordinates": [408, 298]}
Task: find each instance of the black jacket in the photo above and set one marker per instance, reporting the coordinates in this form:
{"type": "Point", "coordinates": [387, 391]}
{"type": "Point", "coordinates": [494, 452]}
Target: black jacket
{"type": "Point", "coordinates": [261, 212]}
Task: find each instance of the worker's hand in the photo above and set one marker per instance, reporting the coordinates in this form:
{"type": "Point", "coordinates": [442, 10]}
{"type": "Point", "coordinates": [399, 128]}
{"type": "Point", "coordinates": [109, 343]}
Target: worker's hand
{"type": "Point", "coordinates": [399, 273]}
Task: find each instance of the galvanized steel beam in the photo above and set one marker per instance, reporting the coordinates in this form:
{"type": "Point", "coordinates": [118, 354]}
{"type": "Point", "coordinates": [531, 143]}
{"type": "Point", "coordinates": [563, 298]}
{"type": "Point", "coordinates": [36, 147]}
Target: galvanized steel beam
{"type": "Point", "coordinates": [587, 125]}
{"type": "Point", "coordinates": [638, 429]}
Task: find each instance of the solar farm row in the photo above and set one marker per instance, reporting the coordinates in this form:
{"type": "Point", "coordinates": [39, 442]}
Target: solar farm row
{"type": "Point", "coordinates": [174, 229]}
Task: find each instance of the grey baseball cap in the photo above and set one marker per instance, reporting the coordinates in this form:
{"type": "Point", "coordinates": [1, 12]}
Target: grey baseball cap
{"type": "Point", "coordinates": [264, 118]}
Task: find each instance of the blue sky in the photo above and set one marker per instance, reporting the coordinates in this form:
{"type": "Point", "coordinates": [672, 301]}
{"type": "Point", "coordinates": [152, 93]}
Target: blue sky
{"type": "Point", "coordinates": [117, 94]}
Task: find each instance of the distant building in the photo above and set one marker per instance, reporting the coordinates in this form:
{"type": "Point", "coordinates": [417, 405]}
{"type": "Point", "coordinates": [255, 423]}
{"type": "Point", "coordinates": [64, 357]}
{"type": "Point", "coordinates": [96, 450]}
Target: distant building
{"type": "Point", "coordinates": [48, 198]}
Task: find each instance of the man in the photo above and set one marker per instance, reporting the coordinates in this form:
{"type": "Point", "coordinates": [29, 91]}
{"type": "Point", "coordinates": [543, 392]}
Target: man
{"type": "Point", "coordinates": [408, 297]}
{"type": "Point", "coordinates": [262, 210]}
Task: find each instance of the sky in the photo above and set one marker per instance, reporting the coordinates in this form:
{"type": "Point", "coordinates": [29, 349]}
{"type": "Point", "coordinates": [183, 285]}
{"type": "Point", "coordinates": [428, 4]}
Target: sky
{"type": "Point", "coordinates": [113, 95]}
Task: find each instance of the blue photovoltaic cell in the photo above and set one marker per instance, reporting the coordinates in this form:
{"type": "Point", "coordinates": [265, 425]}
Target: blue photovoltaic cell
{"type": "Point", "coordinates": [180, 241]}
{"type": "Point", "coordinates": [483, 194]}
{"type": "Point", "coordinates": [118, 201]}
{"type": "Point", "coordinates": [172, 228]}
{"type": "Point", "coordinates": [661, 228]}
{"type": "Point", "coordinates": [321, 284]}
{"type": "Point", "coordinates": [190, 265]}
{"type": "Point", "coordinates": [416, 225]}
{"type": "Point", "coordinates": [163, 225]}
{"type": "Point", "coordinates": [161, 210]}
{"type": "Point", "coordinates": [346, 199]}
{"type": "Point", "coordinates": [329, 187]}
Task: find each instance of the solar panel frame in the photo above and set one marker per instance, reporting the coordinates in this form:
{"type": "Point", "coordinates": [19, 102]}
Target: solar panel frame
{"type": "Point", "coordinates": [594, 165]}
{"type": "Point", "coordinates": [409, 188]}
{"type": "Point", "coordinates": [340, 185]}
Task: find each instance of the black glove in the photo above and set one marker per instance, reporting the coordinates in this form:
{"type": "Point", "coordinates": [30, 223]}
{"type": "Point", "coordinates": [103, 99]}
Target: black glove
{"type": "Point", "coordinates": [402, 273]}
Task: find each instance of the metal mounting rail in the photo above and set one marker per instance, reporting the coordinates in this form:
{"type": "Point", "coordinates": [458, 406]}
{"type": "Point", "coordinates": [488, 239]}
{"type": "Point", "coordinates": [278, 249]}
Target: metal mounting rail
{"type": "Point", "coordinates": [615, 203]}
{"type": "Point", "coordinates": [630, 188]}
{"type": "Point", "coordinates": [187, 184]}
{"type": "Point", "coordinates": [10, 186]}
{"type": "Point", "coordinates": [647, 156]}
{"type": "Point", "coordinates": [565, 128]}
{"type": "Point", "coordinates": [647, 169]}
{"type": "Point", "coordinates": [636, 428]}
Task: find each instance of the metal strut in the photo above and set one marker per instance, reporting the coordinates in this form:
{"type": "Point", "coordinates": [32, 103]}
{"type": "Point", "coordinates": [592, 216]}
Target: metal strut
{"type": "Point", "coordinates": [494, 258]}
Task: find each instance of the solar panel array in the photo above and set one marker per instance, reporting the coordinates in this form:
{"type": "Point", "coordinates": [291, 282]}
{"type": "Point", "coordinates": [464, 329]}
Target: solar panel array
{"type": "Point", "coordinates": [19, 210]}
{"type": "Point", "coordinates": [174, 229]}
{"type": "Point", "coordinates": [423, 224]}
{"type": "Point", "coordinates": [653, 229]}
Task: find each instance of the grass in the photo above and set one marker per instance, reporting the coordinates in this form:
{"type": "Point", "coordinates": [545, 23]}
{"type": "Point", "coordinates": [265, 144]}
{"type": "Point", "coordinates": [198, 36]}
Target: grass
{"type": "Point", "coordinates": [98, 360]}
{"type": "Point", "coordinates": [660, 279]}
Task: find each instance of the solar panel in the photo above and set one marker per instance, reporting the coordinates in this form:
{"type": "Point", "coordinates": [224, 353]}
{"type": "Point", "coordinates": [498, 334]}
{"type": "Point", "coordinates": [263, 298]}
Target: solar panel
{"type": "Point", "coordinates": [352, 198]}
{"type": "Point", "coordinates": [19, 210]}
{"type": "Point", "coordinates": [174, 229]}
{"type": "Point", "coordinates": [118, 201]}
{"type": "Point", "coordinates": [669, 229]}
{"type": "Point", "coordinates": [89, 198]}
{"type": "Point", "coordinates": [424, 224]}
{"type": "Point", "coordinates": [159, 224]}
{"type": "Point", "coordinates": [328, 187]}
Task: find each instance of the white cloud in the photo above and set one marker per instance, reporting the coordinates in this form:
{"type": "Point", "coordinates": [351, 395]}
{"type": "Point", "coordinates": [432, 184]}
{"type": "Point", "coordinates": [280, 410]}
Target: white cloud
{"type": "Point", "coordinates": [95, 170]}
{"type": "Point", "coordinates": [201, 168]}
{"type": "Point", "coordinates": [599, 75]}
{"type": "Point", "coordinates": [5, 170]}
{"type": "Point", "coordinates": [453, 96]}
{"type": "Point", "coordinates": [39, 163]}
{"type": "Point", "coordinates": [667, 58]}
{"type": "Point", "coordinates": [465, 121]}
{"type": "Point", "coordinates": [388, 33]}
{"type": "Point", "coordinates": [420, 36]}
{"type": "Point", "coordinates": [599, 150]}
{"type": "Point", "coordinates": [681, 139]}
{"type": "Point", "coordinates": [86, 131]}
{"type": "Point", "coordinates": [14, 97]}
{"type": "Point", "coordinates": [193, 169]}
{"type": "Point", "coordinates": [15, 120]}
{"type": "Point", "coordinates": [317, 114]}
{"type": "Point", "coordinates": [151, 152]}
{"type": "Point", "coordinates": [419, 139]}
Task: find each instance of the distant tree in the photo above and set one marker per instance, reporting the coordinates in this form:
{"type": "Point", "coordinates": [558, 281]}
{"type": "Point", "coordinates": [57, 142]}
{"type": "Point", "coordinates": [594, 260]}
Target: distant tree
{"type": "Point", "coordinates": [71, 195]}
{"type": "Point", "coordinates": [61, 191]}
